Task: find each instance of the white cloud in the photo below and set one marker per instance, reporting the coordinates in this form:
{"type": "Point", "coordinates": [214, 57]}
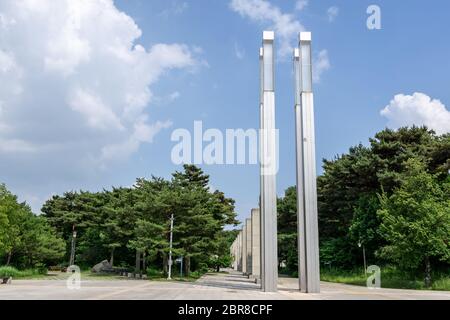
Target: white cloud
{"type": "Point", "coordinates": [285, 25]}
{"type": "Point", "coordinates": [301, 4]}
{"type": "Point", "coordinates": [179, 8]}
{"type": "Point", "coordinates": [143, 132]}
{"type": "Point", "coordinates": [83, 77]}
{"type": "Point", "coordinates": [321, 64]}
{"type": "Point", "coordinates": [75, 89]}
{"type": "Point", "coordinates": [15, 145]}
{"type": "Point", "coordinates": [239, 52]}
{"type": "Point", "coordinates": [176, 8]}
{"type": "Point", "coordinates": [97, 114]}
{"type": "Point", "coordinates": [174, 96]}
{"type": "Point", "coordinates": [332, 13]}
{"type": "Point", "coordinates": [417, 109]}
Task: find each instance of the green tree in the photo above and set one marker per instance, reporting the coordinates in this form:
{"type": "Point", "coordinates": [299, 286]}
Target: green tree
{"type": "Point", "coordinates": [12, 216]}
{"type": "Point", "coordinates": [416, 220]}
{"type": "Point", "coordinates": [40, 243]}
{"type": "Point", "coordinates": [200, 215]}
{"type": "Point", "coordinates": [222, 258]}
{"type": "Point", "coordinates": [348, 188]}
{"type": "Point", "coordinates": [26, 239]}
{"type": "Point", "coordinates": [364, 229]}
{"type": "Point", "coordinates": [287, 229]}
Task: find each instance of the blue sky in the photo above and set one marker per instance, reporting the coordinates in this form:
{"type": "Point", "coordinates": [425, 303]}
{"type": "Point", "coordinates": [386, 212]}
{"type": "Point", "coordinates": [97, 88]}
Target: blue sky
{"type": "Point", "coordinates": [202, 58]}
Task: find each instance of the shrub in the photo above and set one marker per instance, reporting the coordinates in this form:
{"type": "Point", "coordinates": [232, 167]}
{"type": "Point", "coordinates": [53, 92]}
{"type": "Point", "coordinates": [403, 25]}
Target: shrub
{"type": "Point", "coordinates": [154, 273]}
{"type": "Point", "coordinates": [6, 272]}
{"type": "Point", "coordinates": [31, 272]}
{"type": "Point", "coordinates": [202, 268]}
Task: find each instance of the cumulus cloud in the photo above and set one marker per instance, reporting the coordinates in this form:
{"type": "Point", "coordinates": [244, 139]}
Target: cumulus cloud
{"type": "Point", "coordinates": [321, 64]}
{"type": "Point", "coordinates": [75, 64]}
{"type": "Point", "coordinates": [284, 24]}
{"type": "Point", "coordinates": [301, 4]}
{"type": "Point", "coordinates": [332, 13]}
{"type": "Point", "coordinates": [417, 109]}
{"type": "Point", "coordinates": [175, 9]}
{"type": "Point", "coordinates": [76, 86]}
{"type": "Point", "coordinates": [174, 96]}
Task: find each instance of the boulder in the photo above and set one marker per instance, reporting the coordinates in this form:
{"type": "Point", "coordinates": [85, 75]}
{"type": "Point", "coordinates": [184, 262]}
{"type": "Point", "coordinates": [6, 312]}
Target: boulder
{"type": "Point", "coordinates": [103, 266]}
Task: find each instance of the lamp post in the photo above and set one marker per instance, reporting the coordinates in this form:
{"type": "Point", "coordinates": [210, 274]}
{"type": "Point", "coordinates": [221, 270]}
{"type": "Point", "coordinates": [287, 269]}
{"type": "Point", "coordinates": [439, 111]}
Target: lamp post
{"type": "Point", "coordinates": [170, 249]}
{"type": "Point", "coordinates": [72, 247]}
{"type": "Point", "coordinates": [364, 256]}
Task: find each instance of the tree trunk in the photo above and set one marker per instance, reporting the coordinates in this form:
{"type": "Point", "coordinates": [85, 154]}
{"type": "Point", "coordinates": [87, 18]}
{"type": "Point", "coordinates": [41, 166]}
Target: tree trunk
{"type": "Point", "coordinates": [111, 261]}
{"type": "Point", "coordinates": [138, 261]}
{"type": "Point", "coordinates": [144, 269]}
{"type": "Point", "coordinates": [165, 264]}
{"type": "Point", "coordinates": [427, 272]}
{"type": "Point", "coordinates": [187, 266]}
{"type": "Point", "coordinates": [8, 261]}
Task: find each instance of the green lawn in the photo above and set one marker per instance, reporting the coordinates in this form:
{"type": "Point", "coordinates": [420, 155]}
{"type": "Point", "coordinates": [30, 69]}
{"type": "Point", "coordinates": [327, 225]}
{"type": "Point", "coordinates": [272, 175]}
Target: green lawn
{"type": "Point", "coordinates": [390, 278]}
{"type": "Point", "coordinates": [88, 275]}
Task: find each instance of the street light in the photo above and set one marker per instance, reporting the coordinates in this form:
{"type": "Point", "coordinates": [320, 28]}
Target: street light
{"type": "Point", "coordinates": [72, 249]}
{"type": "Point", "coordinates": [170, 250]}
{"type": "Point", "coordinates": [364, 255]}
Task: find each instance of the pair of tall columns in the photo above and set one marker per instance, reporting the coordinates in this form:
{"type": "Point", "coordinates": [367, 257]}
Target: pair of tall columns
{"type": "Point", "coordinates": [308, 238]}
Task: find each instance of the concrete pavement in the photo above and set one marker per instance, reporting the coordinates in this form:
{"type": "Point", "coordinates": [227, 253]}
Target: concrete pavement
{"type": "Point", "coordinates": [223, 286]}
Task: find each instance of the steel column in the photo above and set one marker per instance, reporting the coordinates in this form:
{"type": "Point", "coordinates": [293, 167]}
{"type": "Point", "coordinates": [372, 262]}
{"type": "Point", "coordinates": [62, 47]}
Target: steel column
{"type": "Point", "coordinates": [308, 244]}
{"type": "Point", "coordinates": [269, 167]}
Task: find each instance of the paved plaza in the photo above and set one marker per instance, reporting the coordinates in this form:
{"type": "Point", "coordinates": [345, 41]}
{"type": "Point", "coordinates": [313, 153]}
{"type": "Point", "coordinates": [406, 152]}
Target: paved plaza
{"type": "Point", "coordinates": [226, 286]}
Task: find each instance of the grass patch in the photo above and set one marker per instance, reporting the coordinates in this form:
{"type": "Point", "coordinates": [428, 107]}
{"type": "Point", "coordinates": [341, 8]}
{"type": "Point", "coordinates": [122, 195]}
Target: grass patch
{"type": "Point", "coordinates": [42, 274]}
{"type": "Point", "coordinates": [8, 271]}
{"type": "Point", "coordinates": [390, 278]}
{"type": "Point", "coordinates": [340, 276]}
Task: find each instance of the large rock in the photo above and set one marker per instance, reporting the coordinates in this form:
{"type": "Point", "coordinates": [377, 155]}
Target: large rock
{"type": "Point", "coordinates": [103, 266]}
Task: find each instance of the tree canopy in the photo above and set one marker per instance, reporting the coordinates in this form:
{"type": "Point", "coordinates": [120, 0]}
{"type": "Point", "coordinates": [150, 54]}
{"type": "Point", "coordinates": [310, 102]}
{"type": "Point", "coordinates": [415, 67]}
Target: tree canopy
{"type": "Point", "coordinates": [117, 223]}
{"type": "Point", "coordinates": [363, 196]}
